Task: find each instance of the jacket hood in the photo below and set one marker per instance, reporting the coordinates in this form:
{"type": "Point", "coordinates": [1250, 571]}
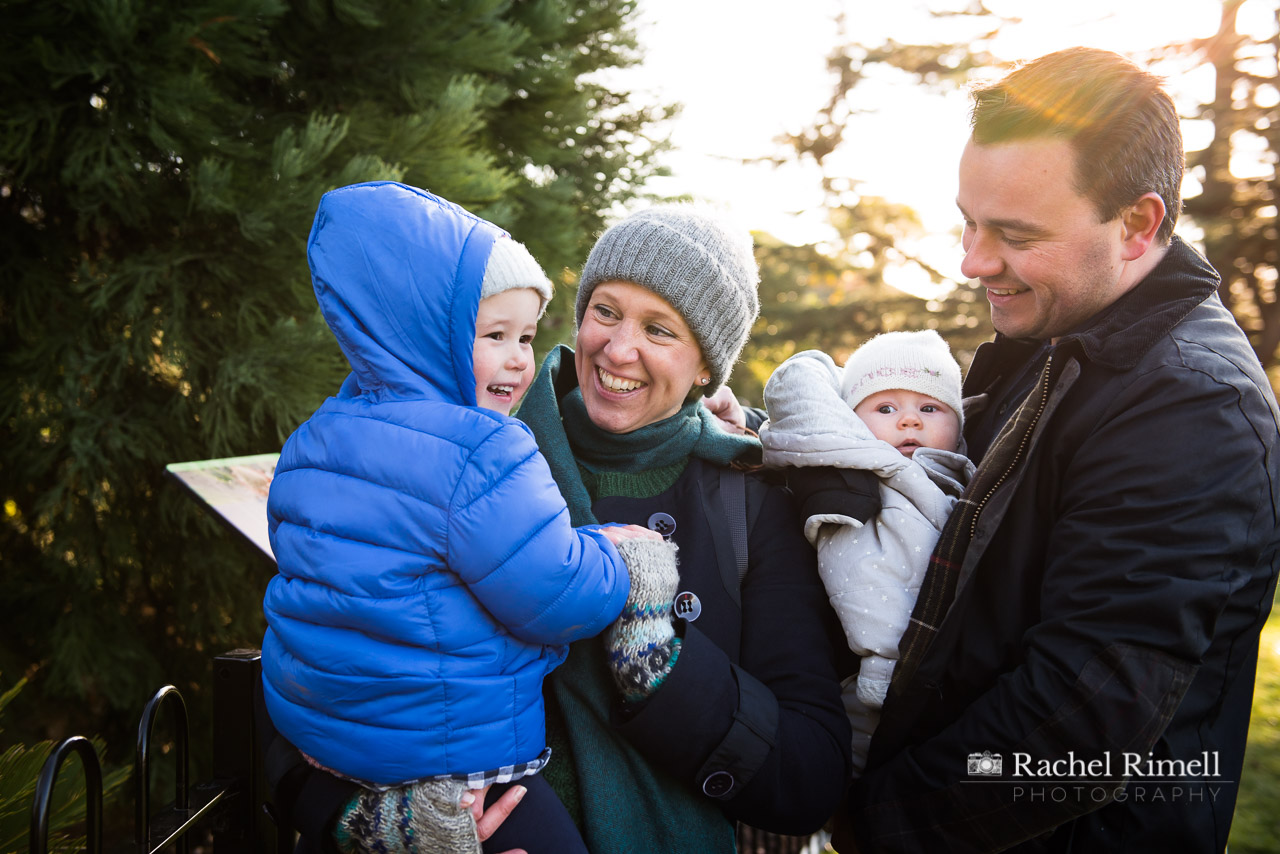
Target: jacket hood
{"type": "Point", "coordinates": [809, 423]}
{"type": "Point", "coordinates": [397, 272]}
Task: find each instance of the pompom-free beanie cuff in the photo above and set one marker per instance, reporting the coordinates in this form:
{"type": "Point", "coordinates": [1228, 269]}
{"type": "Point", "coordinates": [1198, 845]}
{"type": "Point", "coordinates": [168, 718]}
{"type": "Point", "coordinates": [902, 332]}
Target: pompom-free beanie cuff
{"type": "Point", "coordinates": [511, 266]}
{"type": "Point", "coordinates": [914, 361]}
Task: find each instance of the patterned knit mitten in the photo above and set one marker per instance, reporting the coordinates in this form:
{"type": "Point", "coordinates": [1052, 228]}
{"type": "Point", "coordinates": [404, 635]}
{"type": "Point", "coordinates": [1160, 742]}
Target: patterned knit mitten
{"type": "Point", "coordinates": [422, 818]}
{"type": "Point", "coordinates": [642, 642]}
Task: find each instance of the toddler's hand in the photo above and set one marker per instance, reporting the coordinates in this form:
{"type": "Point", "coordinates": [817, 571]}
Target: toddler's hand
{"type": "Point", "coordinates": [617, 534]}
{"type": "Point", "coordinates": [642, 643]}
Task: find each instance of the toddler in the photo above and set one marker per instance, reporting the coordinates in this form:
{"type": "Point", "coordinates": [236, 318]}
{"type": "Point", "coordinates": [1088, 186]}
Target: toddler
{"type": "Point", "coordinates": [429, 578]}
{"type": "Point", "coordinates": [905, 429]}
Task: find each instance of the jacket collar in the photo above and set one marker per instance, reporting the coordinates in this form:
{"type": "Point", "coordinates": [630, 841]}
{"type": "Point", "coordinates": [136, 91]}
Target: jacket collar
{"type": "Point", "coordinates": [1121, 334]}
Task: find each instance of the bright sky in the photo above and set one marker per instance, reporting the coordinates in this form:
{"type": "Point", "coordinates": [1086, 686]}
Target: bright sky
{"type": "Point", "coordinates": [749, 70]}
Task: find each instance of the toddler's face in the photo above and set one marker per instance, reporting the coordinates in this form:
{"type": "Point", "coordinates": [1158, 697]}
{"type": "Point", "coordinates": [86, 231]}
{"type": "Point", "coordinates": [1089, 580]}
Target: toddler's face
{"type": "Point", "coordinates": [503, 353]}
{"type": "Point", "coordinates": [909, 420]}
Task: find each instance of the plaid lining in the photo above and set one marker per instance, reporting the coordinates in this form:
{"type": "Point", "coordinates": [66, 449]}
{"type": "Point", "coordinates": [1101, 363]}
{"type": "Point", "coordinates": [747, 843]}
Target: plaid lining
{"type": "Point", "coordinates": [506, 773]}
{"type": "Point", "coordinates": [478, 780]}
{"type": "Point", "coordinates": [938, 589]}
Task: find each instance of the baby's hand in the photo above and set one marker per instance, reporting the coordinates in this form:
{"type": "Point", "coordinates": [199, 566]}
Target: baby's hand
{"type": "Point", "coordinates": [617, 534]}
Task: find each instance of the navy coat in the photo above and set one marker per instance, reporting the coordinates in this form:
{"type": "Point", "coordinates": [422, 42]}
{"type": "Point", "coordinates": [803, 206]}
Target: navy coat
{"type": "Point", "coordinates": [1110, 600]}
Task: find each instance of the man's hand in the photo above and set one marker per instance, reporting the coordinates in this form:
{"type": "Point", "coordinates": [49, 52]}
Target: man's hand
{"type": "Point", "coordinates": [725, 406]}
{"type": "Point", "coordinates": [820, 491]}
{"type": "Point", "coordinates": [489, 820]}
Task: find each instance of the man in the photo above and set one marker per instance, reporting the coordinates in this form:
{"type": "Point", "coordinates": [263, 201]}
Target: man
{"type": "Point", "coordinates": [1080, 665]}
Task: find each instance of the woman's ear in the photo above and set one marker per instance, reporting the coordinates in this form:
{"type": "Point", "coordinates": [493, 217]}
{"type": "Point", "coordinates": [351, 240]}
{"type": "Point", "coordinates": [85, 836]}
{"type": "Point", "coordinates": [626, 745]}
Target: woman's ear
{"type": "Point", "coordinates": [700, 382]}
{"type": "Point", "coordinates": [703, 378]}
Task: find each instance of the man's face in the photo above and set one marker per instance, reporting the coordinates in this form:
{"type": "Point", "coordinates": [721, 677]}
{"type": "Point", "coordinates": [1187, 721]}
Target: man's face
{"type": "Point", "coordinates": [1036, 245]}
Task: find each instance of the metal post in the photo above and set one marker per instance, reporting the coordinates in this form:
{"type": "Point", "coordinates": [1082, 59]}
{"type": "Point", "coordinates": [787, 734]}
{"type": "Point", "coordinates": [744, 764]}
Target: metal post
{"type": "Point", "coordinates": [235, 755]}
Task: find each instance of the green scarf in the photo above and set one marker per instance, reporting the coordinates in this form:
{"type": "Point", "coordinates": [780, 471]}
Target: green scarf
{"type": "Point", "coordinates": [620, 802]}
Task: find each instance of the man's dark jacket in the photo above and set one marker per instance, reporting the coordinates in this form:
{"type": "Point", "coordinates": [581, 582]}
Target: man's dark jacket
{"type": "Point", "coordinates": [1110, 601]}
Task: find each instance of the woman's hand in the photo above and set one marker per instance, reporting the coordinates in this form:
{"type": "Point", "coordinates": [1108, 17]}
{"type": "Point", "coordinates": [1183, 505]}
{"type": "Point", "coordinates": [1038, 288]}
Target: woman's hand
{"type": "Point", "coordinates": [489, 820]}
{"type": "Point", "coordinates": [619, 533]}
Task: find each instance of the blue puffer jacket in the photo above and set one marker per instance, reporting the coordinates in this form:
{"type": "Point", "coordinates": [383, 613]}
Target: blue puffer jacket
{"type": "Point", "coordinates": [429, 577]}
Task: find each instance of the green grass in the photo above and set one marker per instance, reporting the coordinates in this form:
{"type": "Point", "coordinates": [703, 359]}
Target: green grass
{"type": "Point", "coordinates": [1256, 827]}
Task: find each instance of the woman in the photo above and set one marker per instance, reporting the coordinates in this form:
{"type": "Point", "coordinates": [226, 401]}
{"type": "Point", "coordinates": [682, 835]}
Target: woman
{"type": "Point", "coordinates": [669, 728]}
{"type": "Point", "coordinates": [746, 722]}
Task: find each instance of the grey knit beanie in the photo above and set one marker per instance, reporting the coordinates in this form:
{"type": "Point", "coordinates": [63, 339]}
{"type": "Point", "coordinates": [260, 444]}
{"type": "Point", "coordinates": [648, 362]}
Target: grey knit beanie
{"type": "Point", "coordinates": [511, 266]}
{"type": "Point", "coordinates": [693, 260]}
{"type": "Point", "coordinates": [915, 361]}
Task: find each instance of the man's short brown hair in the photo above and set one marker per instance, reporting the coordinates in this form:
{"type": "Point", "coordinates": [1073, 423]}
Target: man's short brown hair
{"type": "Point", "coordinates": [1119, 120]}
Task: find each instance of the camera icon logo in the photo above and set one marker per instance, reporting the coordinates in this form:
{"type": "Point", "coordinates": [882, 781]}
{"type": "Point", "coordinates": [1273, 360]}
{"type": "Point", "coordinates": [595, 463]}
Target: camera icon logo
{"type": "Point", "coordinates": [986, 764]}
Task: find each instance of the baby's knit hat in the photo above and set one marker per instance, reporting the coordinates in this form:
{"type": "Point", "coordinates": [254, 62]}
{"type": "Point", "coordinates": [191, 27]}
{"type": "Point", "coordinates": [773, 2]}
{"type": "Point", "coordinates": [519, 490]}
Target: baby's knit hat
{"type": "Point", "coordinates": [915, 361]}
{"type": "Point", "coordinates": [693, 260]}
{"type": "Point", "coordinates": [511, 266]}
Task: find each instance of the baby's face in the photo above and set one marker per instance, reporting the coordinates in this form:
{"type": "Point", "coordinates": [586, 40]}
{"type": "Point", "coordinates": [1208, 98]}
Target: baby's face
{"type": "Point", "coordinates": [502, 356]}
{"type": "Point", "coordinates": [909, 420]}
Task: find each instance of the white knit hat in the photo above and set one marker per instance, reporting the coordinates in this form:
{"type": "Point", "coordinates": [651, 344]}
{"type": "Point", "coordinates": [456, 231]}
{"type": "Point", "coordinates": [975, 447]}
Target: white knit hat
{"type": "Point", "coordinates": [511, 266]}
{"type": "Point", "coordinates": [914, 361]}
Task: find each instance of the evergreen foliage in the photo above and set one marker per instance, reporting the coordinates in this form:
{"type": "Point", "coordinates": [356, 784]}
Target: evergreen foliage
{"type": "Point", "coordinates": [160, 165]}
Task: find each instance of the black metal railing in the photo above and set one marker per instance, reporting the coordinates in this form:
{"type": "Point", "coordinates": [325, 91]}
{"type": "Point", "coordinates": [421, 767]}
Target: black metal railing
{"type": "Point", "coordinates": [230, 807]}
{"type": "Point", "coordinates": [42, 807]}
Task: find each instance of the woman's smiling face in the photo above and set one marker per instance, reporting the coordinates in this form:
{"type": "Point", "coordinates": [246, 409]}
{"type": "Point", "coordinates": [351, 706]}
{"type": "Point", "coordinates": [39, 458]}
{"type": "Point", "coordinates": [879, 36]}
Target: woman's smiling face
{"type": "Point", "coordinates": [635, 357]}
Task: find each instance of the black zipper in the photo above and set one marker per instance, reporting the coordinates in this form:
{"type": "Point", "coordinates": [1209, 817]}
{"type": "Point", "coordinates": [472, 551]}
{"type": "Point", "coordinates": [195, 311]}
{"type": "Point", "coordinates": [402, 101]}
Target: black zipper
{"type": "Point", "coordinates": [1026, 437]}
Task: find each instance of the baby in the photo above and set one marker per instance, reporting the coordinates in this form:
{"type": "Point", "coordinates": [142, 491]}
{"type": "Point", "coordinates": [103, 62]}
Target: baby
{"type": "Point", "coordinates": [905, 429]}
